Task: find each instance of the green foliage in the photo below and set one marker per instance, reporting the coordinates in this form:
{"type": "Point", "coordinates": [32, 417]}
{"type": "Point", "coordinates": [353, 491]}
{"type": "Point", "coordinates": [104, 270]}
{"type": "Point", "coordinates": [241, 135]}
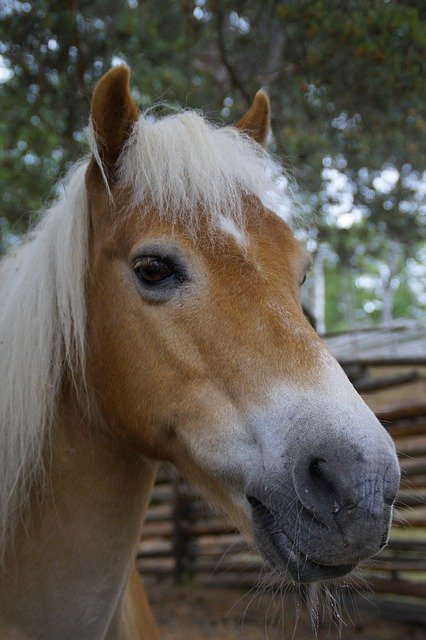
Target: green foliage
{"type": "Point", "coordinates": [346, 80]}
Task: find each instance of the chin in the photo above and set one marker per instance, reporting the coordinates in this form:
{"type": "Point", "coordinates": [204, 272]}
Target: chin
{"type": "Point", "coordinates": [285, 556]}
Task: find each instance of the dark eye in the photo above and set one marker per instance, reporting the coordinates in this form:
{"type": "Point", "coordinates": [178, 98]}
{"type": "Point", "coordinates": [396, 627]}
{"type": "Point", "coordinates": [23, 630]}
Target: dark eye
{"type": "Point", "coordinates": [304, 279]}
{"type": "Point", "coordinates": [154, 270]}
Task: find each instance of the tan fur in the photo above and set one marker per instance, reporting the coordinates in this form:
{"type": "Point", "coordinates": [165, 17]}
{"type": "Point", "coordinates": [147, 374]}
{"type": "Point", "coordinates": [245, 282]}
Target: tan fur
{"type": "Point", "coordinates": [139, 618]}
{"type": "Point", "coordinates": [114, 112]}
{"type": "Point", "coordinates": [257, 120]}
{"type": "Point", "coordinates": [75, 549]}
{"type": "Point", "coordinates": [197, 344]}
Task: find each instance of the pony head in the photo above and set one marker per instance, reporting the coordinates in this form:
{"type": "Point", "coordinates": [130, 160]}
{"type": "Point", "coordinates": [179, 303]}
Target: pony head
{"type": "Point", "coordinates": [198, 349]}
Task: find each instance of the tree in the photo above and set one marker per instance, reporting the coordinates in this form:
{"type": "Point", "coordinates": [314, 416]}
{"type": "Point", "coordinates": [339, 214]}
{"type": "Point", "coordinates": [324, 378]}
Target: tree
{"type": "Point", "coordinates": [345, 79]}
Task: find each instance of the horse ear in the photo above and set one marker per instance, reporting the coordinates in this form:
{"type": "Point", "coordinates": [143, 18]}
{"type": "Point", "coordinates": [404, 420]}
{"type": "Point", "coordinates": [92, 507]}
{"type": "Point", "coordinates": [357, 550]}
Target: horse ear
{"type": "Point", "coordinates": [257, 120]}
{"type": "Point", "coordinates": [114, 113]}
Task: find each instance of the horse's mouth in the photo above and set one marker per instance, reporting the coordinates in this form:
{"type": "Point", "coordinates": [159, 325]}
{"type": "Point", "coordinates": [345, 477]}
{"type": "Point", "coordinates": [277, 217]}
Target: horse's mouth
{"type": "Point", "coordinates": [283, 554]}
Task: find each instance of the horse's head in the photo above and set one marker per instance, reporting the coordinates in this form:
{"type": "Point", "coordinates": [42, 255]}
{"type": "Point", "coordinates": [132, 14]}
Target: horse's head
{"type": "Point", "coordinates": [199, 350]}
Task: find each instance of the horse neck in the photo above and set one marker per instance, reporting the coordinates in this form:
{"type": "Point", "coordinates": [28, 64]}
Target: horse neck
{"type": "Point", "coordinates": [72, 559]}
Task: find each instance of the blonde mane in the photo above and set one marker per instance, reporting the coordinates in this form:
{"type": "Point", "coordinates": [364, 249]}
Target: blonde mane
{"type": "Point", "coordinates": [42, 326]}
{"type": "Point", "coordinates": [186, 167]}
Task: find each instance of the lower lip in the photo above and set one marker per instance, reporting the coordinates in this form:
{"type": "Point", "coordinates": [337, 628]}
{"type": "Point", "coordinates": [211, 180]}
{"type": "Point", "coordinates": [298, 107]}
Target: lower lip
{"type": "Point", "coordinates": [280, 550]}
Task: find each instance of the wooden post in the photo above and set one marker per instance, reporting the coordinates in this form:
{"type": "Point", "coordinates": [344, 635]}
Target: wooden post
{"type": "Point", "coordinates": [183, 544]}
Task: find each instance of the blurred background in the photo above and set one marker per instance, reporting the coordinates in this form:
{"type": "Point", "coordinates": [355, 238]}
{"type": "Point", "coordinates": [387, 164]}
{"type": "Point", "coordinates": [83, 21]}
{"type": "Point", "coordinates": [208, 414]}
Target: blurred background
{"type": "Point", "coordinates": [346, 80]}
{"type": "Point", "coordinates": [347, 83]}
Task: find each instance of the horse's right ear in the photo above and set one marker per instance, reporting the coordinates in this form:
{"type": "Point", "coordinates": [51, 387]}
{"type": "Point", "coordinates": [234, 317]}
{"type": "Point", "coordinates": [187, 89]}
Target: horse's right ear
{"type": "Point", "coordinates": [114, 113]}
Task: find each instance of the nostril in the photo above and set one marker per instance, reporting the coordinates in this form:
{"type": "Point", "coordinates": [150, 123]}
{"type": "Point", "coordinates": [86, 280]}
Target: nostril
{"type": "Point", "coordinates": [322, 480]}
{"type": "Point", "coordinates": [326, 488]}
{"type": "Point", "coordinates": [315, 468]}
{"type": "Point", "coordinates": [331, 488]}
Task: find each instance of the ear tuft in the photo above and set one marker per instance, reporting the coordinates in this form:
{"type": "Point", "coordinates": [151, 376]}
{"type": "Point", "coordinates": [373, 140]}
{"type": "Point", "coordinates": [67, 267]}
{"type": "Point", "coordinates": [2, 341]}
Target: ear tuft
{"type": "Point", "coordinates": [114, 113]}
{"type": "Point", "coordinates": [257, 120]}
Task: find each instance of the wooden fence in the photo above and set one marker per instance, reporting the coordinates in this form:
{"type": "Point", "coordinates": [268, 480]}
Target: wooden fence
{"type": "Point", "coordinates": [183, 537]}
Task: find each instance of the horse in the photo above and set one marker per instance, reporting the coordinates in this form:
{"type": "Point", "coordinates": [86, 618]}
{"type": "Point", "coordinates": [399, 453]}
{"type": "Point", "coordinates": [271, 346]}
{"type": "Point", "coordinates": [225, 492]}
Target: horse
{"type": "Point", "coordinates": [152, 315]}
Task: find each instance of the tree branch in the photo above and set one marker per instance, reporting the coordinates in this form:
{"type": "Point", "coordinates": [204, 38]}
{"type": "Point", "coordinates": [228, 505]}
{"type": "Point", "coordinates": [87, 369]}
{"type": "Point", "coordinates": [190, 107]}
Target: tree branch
{"type": "Point", "coordinates": [232, 72]}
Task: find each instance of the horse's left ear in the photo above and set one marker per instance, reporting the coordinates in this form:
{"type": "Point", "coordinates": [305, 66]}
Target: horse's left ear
{"type": "Point", "coordinates": [257, 120]}
{"type": "Point", "coordinates": [114, 113]}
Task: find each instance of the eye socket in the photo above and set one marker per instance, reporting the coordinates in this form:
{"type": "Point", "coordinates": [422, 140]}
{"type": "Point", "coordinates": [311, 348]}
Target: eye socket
{"type": "Point", "coordinates": [155, 270]}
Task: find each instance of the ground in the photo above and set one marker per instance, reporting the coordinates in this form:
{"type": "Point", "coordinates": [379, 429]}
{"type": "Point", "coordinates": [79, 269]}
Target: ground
{"type": "Point", "coordinates": [198, 612]}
